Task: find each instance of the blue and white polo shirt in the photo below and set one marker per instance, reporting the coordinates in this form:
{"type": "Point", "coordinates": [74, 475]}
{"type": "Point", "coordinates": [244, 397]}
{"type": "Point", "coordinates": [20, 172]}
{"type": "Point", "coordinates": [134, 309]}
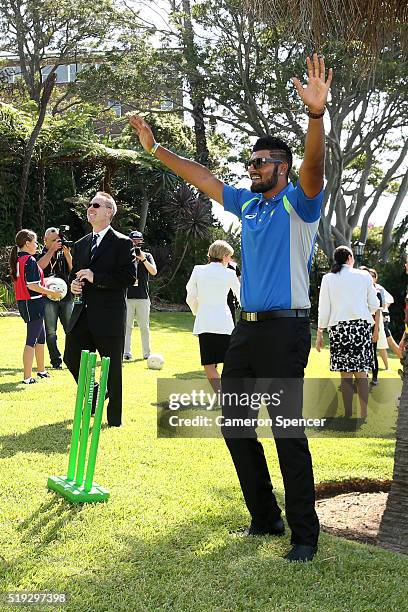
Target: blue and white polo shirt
{"type": "Point", "coordinates": [278, 236]}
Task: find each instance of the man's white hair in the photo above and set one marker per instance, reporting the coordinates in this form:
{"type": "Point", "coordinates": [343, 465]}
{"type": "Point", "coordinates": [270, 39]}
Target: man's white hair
{"type": "Point", "coordinates": [110, 202]}
{"type": "Point", "coordinates": [50, 230]}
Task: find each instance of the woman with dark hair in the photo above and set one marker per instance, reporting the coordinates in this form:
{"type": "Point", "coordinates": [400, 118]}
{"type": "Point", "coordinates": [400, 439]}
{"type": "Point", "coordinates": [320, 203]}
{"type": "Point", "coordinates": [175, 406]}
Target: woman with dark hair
{"type": "Point", "coordinates": [347, 302]}
{"type": "Point", "coordinates": [29, 288]}
{"type": "Point", "coordinates": [379, 341]}
{"type": "Point", "coordinates": [385, 339]}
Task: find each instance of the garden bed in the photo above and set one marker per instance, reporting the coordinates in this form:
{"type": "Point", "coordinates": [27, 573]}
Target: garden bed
{"type": "Point", "coordinates": [352, 509]}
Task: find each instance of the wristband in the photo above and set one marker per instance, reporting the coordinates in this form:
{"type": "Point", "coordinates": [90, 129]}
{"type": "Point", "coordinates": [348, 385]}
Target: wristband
{"type": "Point", "coordinates": [316, 115]}
{"type": "Point", "coordinates": [154, 148]}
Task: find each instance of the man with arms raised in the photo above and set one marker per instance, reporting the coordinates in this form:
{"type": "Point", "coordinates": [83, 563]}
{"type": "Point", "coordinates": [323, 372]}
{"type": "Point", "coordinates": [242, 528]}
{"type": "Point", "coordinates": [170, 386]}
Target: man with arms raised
{"type": "Point", "coordinates": [272, 339]}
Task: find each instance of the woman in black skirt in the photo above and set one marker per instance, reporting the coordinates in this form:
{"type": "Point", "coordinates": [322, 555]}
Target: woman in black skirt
{"type": "Point", "coordinates": [207, 292]}
{"type": "Point", "coordinates": [347, 303]}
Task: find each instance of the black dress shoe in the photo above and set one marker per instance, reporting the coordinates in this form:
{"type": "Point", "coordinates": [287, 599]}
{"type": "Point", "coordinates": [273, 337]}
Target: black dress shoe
{"type": "Point", "coordinates": [276, 528]}
{"type": "Point", "coordinates": [301, 552]}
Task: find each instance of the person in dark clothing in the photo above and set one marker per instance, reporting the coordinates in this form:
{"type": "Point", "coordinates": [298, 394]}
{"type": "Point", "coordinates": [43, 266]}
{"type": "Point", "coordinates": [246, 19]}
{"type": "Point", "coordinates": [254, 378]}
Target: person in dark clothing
{"type": "Point", "coordinates": [103, 268]}
{"type": "Point", "coordinates": [138, 300]}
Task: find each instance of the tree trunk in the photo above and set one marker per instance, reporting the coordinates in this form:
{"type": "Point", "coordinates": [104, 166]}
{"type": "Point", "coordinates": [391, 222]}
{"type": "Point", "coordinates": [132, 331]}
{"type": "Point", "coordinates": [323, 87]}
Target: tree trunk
{"type": "Point", "coordinates": [28, 155]}
{"type": "Point", "coordinates": [144, 208]}
{"type": "Point", "coordinates": [178, 265]}
{"type": "Point", "coordinates": [110, 168]}
{"type": "Point", "coordinates": [393, 532]}
{"type": "Point", "coordinates": [202, 155]}
{"type": "Point", "coordinates": [389, 225]}
{"type": "Point", "coordinates": [195, 82]}
{"type": "Point", "coordinates": [41, 191]}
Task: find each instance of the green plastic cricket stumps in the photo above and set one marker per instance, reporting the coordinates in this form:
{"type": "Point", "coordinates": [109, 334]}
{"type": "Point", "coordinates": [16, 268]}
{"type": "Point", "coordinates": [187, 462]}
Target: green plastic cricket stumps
{"type": "Point", "coordinates": [78, 486]}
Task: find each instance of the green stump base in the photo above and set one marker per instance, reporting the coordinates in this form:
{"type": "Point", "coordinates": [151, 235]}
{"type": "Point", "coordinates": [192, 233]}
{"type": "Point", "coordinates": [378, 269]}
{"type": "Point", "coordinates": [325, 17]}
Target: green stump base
{"type": "Point", "coordinates": [74, 493]}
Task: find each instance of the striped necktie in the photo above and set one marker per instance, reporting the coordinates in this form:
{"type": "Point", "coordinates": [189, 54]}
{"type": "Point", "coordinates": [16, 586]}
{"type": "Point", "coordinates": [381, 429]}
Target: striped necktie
{"type": "Point", "coordinates": [94, 245]}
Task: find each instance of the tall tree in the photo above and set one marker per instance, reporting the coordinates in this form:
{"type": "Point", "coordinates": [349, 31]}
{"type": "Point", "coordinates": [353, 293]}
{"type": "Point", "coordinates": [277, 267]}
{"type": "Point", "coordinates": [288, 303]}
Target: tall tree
{"type": "Point", "coordinates": [179, 34]}
{"type": "Point", "coordinates": [196, 81]}
{"type": "Point", "coordinates": [244, 73]}
{"type": "Point", "coordinates": [42, 35]}
{"type": "Point", "coordinates": [248, 71]}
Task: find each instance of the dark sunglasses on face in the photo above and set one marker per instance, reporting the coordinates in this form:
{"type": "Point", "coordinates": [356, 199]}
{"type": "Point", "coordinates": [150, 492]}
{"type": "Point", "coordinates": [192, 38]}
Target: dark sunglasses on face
{"type": "Point", "coordinates": [97, 205]}
{"type": "Point", "coordinates": [258, 162]}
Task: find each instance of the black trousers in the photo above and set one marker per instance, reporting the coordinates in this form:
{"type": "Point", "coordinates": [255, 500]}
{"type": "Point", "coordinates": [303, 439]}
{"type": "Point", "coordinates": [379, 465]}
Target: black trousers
{"type": "Point", "coordinates": [79, 339]}
{"type": "Point", "coordinates": [258, 352]}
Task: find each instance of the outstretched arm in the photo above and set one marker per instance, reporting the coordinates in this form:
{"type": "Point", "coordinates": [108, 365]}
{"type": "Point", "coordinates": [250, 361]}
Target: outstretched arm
{"type": "Point", "coordinates": [314, 96]}
{"type": "Point", "coordinates": [190, 171]}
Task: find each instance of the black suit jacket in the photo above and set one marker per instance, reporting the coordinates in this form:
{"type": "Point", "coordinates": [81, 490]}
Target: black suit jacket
{"type": "Point", "coordinates": [113, 265]}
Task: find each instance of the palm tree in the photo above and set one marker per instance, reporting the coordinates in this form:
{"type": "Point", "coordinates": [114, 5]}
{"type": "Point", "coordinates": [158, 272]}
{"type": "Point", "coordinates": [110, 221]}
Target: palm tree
{"type": "Point", "coordinates": [192, 219]}
{"type": "Point", "coordinates": [154, 179]}
{"type": "Point", "coordinates": [369, 23]}
{"type": "Point", "coordinates": [393, 532]}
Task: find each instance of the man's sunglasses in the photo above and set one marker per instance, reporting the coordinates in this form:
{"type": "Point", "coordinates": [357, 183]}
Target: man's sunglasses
{"type": "Point", "coordinates": [258, 162]}
{"type": "Point", "coordinates": [97, 205]}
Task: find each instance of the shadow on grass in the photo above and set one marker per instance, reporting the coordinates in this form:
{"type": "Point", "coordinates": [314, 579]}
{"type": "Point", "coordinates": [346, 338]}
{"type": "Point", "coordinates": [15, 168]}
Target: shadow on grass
{"type": "Point", "coordinates": [189, 375]}
{"type": "Point", "coordinates": [44, 524]}
{"type": "Point", "coordinates": [126, 362]}
{"type": "Point", "coordinates": [12, 387]}
{"type": "Point", "coordinates": [48, 439]}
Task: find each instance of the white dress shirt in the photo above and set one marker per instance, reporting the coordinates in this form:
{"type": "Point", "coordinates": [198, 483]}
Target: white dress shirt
{"type": "Point", "coordinates": [347, 296]}
{"type": "Point", "coordinates": [207, 292]}
{"type": "Point", "coordinates": [101, 235]}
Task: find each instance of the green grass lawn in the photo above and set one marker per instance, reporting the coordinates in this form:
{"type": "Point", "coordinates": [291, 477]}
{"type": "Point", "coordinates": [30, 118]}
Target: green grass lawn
{"type": "Point", "coordinates": [163, 541]}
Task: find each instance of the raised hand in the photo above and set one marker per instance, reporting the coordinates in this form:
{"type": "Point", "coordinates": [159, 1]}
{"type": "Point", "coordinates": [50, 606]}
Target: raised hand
{"type": "Point", "coordinates": [314, 95]}
{"type": "Point", "coordinates": [143, 131]}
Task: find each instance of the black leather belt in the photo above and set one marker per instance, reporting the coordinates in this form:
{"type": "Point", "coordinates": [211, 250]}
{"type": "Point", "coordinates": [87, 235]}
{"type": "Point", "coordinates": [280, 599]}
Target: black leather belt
{"type": "Point", "coordinates": [275, 314]}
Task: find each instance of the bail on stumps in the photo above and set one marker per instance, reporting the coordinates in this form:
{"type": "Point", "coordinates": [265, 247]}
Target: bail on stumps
{"type": "Point", "coordinates": [78, 486]}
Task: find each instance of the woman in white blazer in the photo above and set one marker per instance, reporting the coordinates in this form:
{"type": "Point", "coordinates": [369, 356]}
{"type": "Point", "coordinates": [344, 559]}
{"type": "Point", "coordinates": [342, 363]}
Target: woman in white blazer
{"type": "Point", "coordinates": [347, 303]}
{"type": "Point", "coordinates": [207, 292]}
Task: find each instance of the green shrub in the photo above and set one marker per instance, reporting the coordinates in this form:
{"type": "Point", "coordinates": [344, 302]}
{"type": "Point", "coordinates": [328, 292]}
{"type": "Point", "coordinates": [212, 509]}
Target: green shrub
{"type": "Point", "coordinates": [7, 298]}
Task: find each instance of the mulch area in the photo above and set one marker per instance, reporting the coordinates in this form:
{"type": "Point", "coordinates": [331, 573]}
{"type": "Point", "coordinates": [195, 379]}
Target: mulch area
{"type": "Point", "coordinates": [354, 516]}
{"type": "Point", "coordinates": [352, 509]}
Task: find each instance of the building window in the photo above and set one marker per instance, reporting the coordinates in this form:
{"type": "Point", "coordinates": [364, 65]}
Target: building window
{"type": "Point", "coordinates": [116, 107]}
{"type": "Point", "coordinates": [10, 74]}
{"type": "Point", "coordinates": [45, 71]}
{"type": "Point", "coordinates": [167, 104]}
{"type": "Point", "coordinates": [63, 74]}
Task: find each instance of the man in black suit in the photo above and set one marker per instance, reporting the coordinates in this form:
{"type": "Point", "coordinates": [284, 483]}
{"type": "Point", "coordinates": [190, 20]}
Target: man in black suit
{"type": "Point", "coordinates": [103, 268]}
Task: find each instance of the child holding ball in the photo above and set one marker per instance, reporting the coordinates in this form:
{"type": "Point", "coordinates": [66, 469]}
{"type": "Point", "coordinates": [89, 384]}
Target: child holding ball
{"type": "Point", "coordinates": [29, 289]}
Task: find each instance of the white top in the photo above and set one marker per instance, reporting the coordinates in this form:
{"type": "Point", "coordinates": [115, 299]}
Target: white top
{"type": "Point", "coordinates": [347, 296]}
{"type": "Point", "coordinates": [387, 297]}
{"type": "Point", "coordinates": [207, 292]}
